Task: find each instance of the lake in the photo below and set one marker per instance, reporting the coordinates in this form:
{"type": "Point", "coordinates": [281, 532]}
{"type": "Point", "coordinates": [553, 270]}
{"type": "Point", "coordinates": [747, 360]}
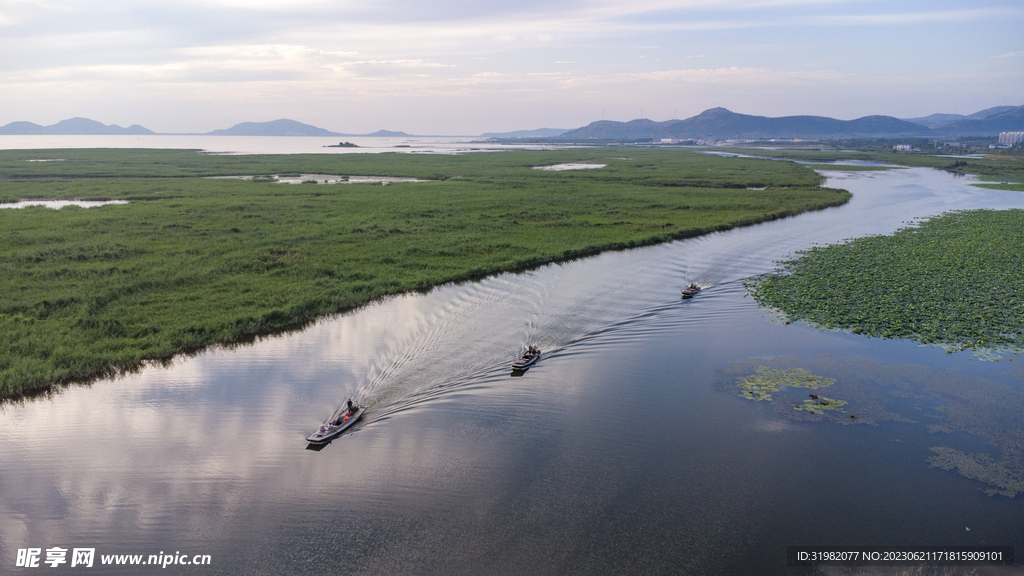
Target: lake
{"type": "Point", "coordinates": [627, 449]}
{"type": "Point", "coordinates": [269, 144]}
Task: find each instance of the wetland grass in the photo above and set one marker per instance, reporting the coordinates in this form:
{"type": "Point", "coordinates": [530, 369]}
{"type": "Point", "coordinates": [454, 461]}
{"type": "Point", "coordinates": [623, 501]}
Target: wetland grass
{"type": "Point", "coordinates": [191, 262]}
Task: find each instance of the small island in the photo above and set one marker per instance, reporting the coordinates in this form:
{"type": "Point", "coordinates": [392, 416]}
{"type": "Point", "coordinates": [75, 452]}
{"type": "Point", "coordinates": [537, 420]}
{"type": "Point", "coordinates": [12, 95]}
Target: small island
{"type": "Point", "coordinates": [342, 145]}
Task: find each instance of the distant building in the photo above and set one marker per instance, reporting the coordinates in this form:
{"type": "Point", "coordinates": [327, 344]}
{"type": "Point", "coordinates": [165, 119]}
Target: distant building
{"type": "Point", "coordinates": [904, 148]}
{"type": "Point", "coordinates": [1010, 139]}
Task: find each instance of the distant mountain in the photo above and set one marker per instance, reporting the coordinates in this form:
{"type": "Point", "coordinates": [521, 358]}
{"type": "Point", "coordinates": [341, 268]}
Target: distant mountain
{"type": "Point", "coordinates": [72, 127]}
{"type": "Point", "coordinates": [293, 128]}
{"type": "Point", "coordinates": [990, 112]}
{"type": "Point", "coordinates": [382, 134]}
{"type": "Point", "coordinates": [612, 130]}
{"type": "Point", "coordinates": [538, 133]}
{"type": "Point", "coordinates": [936, 120]}
{"type": "Point", "coordinates": [721, 124]}
{"type": "Point", "coordinates": [273, 128]}
{"type": "Point", "coordinates": [1011, 120]}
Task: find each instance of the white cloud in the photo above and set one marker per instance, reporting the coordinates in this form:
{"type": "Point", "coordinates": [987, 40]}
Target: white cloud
{"type": "Point", "coordinates": [734, 75]}
{"type": "Point", "coordinates": [266, 52]}
{"type": "Point", "coordinates": [913, 17]}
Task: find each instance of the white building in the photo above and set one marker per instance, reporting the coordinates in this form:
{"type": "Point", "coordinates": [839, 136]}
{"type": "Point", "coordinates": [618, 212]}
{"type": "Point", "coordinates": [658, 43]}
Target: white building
{"type": "Point", "coordinates": [1010, 138]}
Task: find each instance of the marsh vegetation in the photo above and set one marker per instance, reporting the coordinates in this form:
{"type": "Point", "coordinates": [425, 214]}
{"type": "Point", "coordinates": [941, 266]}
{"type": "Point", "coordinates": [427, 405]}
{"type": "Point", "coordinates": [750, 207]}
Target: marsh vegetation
{"type": "Point", "coordinates": [192, 261]}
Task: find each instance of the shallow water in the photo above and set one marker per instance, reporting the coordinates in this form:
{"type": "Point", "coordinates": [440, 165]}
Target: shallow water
{"type": "Point", "coordinates": [627, 448]}
{"type": "Point", "coordinates": [570, 166]}
{"type": "Point", "coordinates": [327, 179]}
{"type": "Point", "coordinates": [58, 204]}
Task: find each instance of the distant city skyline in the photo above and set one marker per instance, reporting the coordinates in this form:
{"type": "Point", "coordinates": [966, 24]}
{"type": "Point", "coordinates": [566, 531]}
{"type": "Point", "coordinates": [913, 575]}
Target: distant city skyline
{"type": "Point", "coordinates": [468, 67]}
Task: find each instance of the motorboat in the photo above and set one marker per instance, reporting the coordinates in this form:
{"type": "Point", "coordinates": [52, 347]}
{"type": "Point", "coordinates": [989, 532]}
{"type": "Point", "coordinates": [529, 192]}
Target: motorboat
{"type": "Point", "coordinates": [691, 290]}
{"type": "Point", "coordinates": [528, 359]}
{"type": "Point", "coordinates": [341, 420]}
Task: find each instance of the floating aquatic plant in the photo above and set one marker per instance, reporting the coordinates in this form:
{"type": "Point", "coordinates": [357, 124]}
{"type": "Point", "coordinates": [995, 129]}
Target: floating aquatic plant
{"type": "Point", "coordinates": [952, 281]}
{"type": "Point", "coordinates": [818, 405]}
{"type": "Point", "coordinates": [946, 401]}
{"type": "Point", "coordinates": [760, 386]}
{"type": "Point", "coordinates": [981, 467]}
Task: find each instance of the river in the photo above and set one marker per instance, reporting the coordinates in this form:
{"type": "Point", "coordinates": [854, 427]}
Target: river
{"type": "Point", "coordinates": [626, 449]}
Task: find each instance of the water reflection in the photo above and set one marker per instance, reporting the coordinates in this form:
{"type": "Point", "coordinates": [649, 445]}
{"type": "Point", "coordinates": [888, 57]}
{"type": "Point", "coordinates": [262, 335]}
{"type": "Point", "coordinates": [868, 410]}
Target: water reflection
{"type": "Point", "coordinates": [620, 450]}
{"type": "Point", "coordinates": [58, 204]}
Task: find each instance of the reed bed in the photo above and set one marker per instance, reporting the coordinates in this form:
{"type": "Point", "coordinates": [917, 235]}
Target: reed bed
{"type": "Point", "coordinates": [191, 262]}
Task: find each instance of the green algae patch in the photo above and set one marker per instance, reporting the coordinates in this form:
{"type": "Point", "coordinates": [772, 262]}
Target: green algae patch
{"type": "Point", "coordinates": [819, 404]}
{"type": "Point", "coordinates": [766, 380]}
{"type": "Point", "coordinates": [982, 467]}
{"type": "Point", "coordinates": [947, 402]}
{"type": "Point", "coordinates": [953, 281]}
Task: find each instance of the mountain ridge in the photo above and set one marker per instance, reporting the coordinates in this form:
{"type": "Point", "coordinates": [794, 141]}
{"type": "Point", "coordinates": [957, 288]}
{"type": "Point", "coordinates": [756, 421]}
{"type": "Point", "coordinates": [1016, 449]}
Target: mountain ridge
{"type": "Point", "coordinates": [721, 124]}
{"type": "Point", "coordinates": [714, 123]}
{"type": "Point", "coordinates": [536, 133]}
{"type": "Point", "coordinates": [281, 127]}
{"type": "Point", "coordinates": [937, 120]}
{"type": "Point", "coordinates": [72, 127]}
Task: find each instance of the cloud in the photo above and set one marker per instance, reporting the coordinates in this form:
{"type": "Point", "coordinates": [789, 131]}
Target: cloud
{"type": "Point", "coordinates": [734, 75]}
{"type": "Point", "coordinates": [233, 64]}
{"type": "Point", "coordinates": [276, 50]}
{"type": "Point", "coordinates": [913, 17]}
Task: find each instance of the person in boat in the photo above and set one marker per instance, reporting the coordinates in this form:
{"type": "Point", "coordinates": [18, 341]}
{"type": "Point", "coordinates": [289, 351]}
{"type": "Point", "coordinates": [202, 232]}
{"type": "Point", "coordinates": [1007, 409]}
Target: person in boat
{"type": "Point", "coordinates": [323, 428]}
{"type": "Point", "coordinates": [351, 407]}
{"type": "Point", "coordinates": [693, 286]}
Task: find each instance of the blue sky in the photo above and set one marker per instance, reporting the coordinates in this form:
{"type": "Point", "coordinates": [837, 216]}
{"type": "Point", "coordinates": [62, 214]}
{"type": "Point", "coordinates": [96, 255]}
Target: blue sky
{"type": "Point", "coordinates": [471, 66]}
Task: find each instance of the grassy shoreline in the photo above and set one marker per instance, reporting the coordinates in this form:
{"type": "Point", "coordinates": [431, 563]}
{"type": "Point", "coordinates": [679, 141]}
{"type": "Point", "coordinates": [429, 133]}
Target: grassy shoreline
{"type": "Point", "coordinates": [191, 262]}
{"type": "Point", "coordinates": [1003, 167]}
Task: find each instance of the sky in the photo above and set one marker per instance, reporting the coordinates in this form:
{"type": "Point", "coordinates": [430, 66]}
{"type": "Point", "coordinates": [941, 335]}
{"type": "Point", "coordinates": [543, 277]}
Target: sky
{"type": "Point", "coordinates": [464, 67]}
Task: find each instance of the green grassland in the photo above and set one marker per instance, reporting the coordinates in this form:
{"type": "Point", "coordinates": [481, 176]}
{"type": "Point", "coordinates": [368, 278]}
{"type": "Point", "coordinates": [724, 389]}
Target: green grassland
{"type": "Point", "coordinates": [191, 262]}
{"type": "Point", "coordinates": [956, 280]}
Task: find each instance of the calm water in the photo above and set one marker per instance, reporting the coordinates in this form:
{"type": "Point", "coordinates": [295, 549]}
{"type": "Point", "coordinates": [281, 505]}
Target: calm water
{"type": "Point", "coordinates": [58, 204]}
{"type": "Point", "coordinates": [266, 144]}
{"type": "Point", "coordinates": [625, 450]}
